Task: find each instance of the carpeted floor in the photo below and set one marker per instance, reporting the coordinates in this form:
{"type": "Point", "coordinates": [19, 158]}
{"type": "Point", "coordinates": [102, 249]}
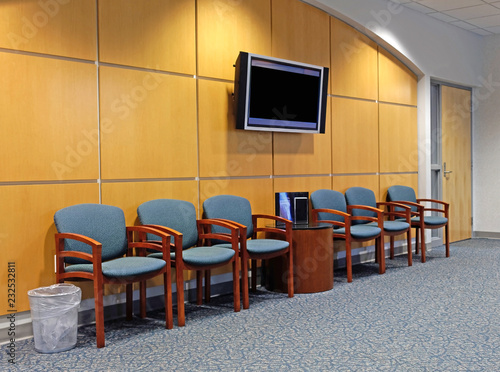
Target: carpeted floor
{"type": "Point", "coordinates": [439, 316]}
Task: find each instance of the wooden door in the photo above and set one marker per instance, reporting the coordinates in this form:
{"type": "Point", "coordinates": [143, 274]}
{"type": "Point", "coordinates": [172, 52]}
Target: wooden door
{"type": "Point", "coordinates": [456, 157]}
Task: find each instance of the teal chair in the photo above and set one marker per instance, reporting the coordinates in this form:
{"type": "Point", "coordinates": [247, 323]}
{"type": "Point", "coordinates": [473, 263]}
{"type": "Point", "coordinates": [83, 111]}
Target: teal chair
{"type": "Point", "coordinates": [396, 216]}
{"type": "Point", "coordinates": [93, 243]}
{"type": "Point", "coordinates": [421, 219]}
{"type": "Point", "coordinates": [329, 206]}
{"type": "Point", "coordinates": [238, 210]}
{"type": "Point", "coordinates": [188, 246]}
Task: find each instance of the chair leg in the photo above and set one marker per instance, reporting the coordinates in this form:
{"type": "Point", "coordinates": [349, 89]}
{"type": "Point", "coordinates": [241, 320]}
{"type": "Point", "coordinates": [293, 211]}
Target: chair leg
{"type": "Point", "coordinates": [199, 287]}
{"type": "Point", "coordinates": [167, 290]}
{"type": "Point", "coordinates": [348, 260]}
{"type": "Point", "coordinates": [236, 286]}
{"type": "Point", "coordinates": [381, 264]}
{"type": "Point", "coordinates": [207, 286]}
{"type": "Point", "coordinates": [422, 244]}
{"type": "Point", "coordinates": [244, 282]}
{"type": "Point", "coordinates": [408, 243]}
{"type": "Point", "coordinates": [129, 300]}
{"type": "Point", "coordinates": [290, 273]}
{"type": "Point", "coordinates": [99, 313]}
{"type": "Point", "coordinates": [179, 281]}
{"type": "Point", "coordinates": [447, 240]}
{"type": "Point", "coordinates": [391, 239]}
{"type": "Point", "coordinates": [142, 301]}
{"type": "Point", "coordinates": [254, 275]}
{"type": "Point", "coordinates": [417, 240]}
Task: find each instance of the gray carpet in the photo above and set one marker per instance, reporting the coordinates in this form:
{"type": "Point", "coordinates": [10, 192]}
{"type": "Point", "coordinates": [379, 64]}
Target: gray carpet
{"type": "Point", "coordinates": [439, 316]}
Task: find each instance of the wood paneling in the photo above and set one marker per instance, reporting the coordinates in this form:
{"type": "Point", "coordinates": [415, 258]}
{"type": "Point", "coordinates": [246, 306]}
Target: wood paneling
{"type": "Point", "coordinates": [224, 150]}
{"type": "Point", "coordinates": [48, 118]}
{"type": "Point", "coordinates": [155, 34]}
{"type": "Point", "coordinates": [129, 195]}
{"type": "Point", "coordinates": [355, 132]}
{"type": "Point", "coordinates": [300, 32]}
{"type": "Point", "coordinates": [301, 153]}
{"type": "Point", "coordinates": [227, 27]}
{"type": "Point", "coordinates": [403, 179]}
{"type": "Point", "coordinates": [299, 184]}
{"type": "Point", "coordinates": [354, 70]}
{"type": "Point", "coordinates": [342, 183]}
{"type": "Point", "coordinates": [258, 191]}
{"type": "Point", "coordinates": [397, 83]}
{"type": "Point", "coordinates": [62, 28]}
{"type": "Point", "coordinates": [398, 138]}
{"type": "Point", "coordinates": [148, 124]}
{"type": "Point", "coordinates": [27, 232]}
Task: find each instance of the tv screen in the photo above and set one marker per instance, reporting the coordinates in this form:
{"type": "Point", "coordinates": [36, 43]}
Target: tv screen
{"type": "Point", "coordinates": [278, 95]}
{"type": "Point", "coordinates": [293, 206]}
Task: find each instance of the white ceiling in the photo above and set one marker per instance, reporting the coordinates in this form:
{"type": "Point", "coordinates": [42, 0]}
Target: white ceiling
{"type": "Point", "coordinates": [479, 16]}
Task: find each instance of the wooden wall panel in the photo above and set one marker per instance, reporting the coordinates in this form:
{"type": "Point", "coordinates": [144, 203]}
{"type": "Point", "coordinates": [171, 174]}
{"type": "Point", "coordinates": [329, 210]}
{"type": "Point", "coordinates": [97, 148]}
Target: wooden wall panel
{"type": "Point", "coordinates": [354, 70]}
{"type": "Point", "coordinates": [155, 34]}
{"type": "Point", "coordinates": [301, 153]}
{"type": "Point", "coordinates": [129, 195]}
{"type": "Point", "coordinates": [148, 124]}
{"type": "Point", "coordinates": [48, 115]}
{"type": "Point", "coordinates": [398, 138]}
{"type": "Point", "coordinates": [342, 183]}
{"type": "Point", "coordinates": [403, 179]}
{"type": "Point", "coordinates": [258, 191]}
{"type": "Point", "coordinates": [27, 232]}
{"type": "Point", "coordinates": [62, 28]}
{"type": "Point", "coordinates": [300, 32]}
{"type": "Point", "coordinates": [224, 150]}
{"type": "Point", "coordinates": [355, 132]}
{"type": "Point", "coordinates": [397, 83]}
{"type": "Point", "coordinates": [227, 27]}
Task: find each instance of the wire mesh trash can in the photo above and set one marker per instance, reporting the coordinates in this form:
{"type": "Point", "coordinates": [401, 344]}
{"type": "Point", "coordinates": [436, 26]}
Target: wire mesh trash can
{"type": "Point", "coordinates": [54, 315]}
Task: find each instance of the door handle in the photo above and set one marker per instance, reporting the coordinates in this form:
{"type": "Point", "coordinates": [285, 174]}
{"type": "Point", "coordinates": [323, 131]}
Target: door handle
{"type": "Point", "coordinates": [446, 172]}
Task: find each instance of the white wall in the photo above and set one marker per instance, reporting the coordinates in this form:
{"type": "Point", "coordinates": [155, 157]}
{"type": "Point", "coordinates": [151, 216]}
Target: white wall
{"type": "Point", "coordinates": [486, 144]}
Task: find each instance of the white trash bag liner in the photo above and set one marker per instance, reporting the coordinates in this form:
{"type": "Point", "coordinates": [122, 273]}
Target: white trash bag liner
{"type": "Point", "coordinates": [54, 314]}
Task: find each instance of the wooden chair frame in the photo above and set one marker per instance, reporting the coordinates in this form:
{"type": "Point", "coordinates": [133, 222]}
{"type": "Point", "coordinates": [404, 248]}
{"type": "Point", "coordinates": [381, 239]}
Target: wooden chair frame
{"type": "Point", "coordinates": [99, 279]}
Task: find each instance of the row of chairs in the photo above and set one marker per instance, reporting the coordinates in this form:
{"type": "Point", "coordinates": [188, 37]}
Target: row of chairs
{"type": "Point", "coordinates": [358, 217]}
{"type": "Point", "coordinates": [94, 243]}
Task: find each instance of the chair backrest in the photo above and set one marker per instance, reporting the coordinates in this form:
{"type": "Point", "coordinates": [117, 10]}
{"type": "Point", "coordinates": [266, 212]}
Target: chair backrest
{"type": "Point", "coordinates": [103, 223]}
{"type": "Point", "coordinates": [230, 207]}
{"type": "Point", "coordinates": [361, 196]}
{"type": "Point", "coordinates": [179, 215]}
{"type": "Point", "coordinates": [402, 193]}
{"type": "Point", "coordinates": [330, 199]}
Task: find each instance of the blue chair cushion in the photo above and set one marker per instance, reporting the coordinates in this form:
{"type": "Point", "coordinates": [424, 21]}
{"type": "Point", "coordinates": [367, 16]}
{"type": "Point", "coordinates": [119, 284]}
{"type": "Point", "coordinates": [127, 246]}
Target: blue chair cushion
{"type": "Point", "coordinates": [203, 256]}
{"type": "Point", "coordinates": [393, 226]}
{"type": "Point", "coordinates": [361, 231]}
{"type": "Point", "coordinates": [432, 220]}
{"type": "Point", "coordinates": [123, 267]}
{"type": "Point", "coordinates": [262, 246]}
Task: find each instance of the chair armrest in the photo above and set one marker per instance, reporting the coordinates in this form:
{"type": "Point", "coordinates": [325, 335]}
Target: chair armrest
{"type": "Point", "coordinates": [205, 231]}
{"type": "Point", "coordinates": [346, 216]}
{"type": "Point", "coordinates": [446, 206]}
{"type": "Point", "coordinates": [379, 219]}
{"type": "Point", "coordinates": [95, 257]}
{"type": "Point", "coordinates": [142, 245]}
{"type": "Point", "coordinates": [392, 212]}
{"type": "Point", "coordinates": [286, 232]}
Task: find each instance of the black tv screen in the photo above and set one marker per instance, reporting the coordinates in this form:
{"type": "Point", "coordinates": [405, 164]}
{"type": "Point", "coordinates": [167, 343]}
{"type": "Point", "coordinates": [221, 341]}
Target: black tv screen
{"type": "Point", "coordinates": [274, 94]}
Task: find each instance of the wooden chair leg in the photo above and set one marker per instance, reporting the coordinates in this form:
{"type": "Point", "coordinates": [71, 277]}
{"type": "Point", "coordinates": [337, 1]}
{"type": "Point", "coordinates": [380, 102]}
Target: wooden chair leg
{"type": "Point", "coordinates": [381, 264]}
{"type": "Point", "coordinates": [207, 286]}
{"type": "Point", "coordinates": [244, 282]}
{"type": "Point", "coordinates": [199, 287]}
{"type": "Point", "coordinates": [167, 291]}
{"type": "Point", "coordinates": [236, 286]}
{"type": "Point", "coordinates": [290, 274]}
{"type": "Point", "coordinates": [254, 275]}
{"type": "Point", "coordinates": [348, 260]}
{"type": "Point", "coordinates": [417, 240]}
{"type": "Point", "coordinates": [422, 244]}
{"type": "Point", "coordinates": [408, 243]}
{"type": "Point", "coordinates": [447, 240]}
{"type": "Point", "coordinates": [99, 313]}
{"type": "Point", "coordinates": [142, 301]}
{"type": "Point", "coordinates": [391, 239]}
{"type": "Point", "coordinates": [179, 282]}
{"type": "Point", "coordinates": [129, 302]}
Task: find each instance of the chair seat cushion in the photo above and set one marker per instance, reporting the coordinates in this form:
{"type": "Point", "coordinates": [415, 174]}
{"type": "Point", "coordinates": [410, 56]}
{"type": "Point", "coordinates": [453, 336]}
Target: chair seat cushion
{"type": "Point", "coordinates": [203, 256]}
{"type": "Point", "coordinates": [393, 226]}
{"type": "Point", "coordinates": [262, 246]}
{"type": "Point", "coordinates": [361, 231]}
{"type": "Point", "coordinates": [431, 220]}
{"type": "Point", "coordinates": [123, 267]}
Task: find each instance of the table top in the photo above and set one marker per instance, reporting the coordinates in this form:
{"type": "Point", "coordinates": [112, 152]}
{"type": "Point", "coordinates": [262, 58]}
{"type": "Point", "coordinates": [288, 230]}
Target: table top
{"type": "Point", "coordinates": [307, 226]}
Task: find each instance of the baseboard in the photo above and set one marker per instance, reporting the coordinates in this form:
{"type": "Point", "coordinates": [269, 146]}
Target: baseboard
{"type": "Point", "coordinates": [486, 234]}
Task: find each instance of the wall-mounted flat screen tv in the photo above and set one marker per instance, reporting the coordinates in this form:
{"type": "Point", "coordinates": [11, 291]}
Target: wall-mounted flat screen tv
{"type": "Point", "coordinates": [273, 94]}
